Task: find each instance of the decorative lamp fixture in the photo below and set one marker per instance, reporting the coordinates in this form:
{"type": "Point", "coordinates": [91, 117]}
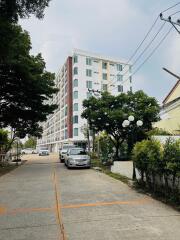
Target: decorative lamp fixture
{"type": "Point", "coordinates": [131, 118]}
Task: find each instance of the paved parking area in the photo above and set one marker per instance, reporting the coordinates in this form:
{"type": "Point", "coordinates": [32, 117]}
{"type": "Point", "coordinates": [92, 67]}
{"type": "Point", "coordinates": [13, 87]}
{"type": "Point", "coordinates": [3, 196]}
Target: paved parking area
{"type": "Point", "coordinates": [44, 200]}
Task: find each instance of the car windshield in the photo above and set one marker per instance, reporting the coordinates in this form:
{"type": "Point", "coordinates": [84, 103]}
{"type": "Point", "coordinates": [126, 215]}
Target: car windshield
{"type": "Point", "coordinates": [67, 146]}
{"type": "Point", "coordinates": [77, 151]}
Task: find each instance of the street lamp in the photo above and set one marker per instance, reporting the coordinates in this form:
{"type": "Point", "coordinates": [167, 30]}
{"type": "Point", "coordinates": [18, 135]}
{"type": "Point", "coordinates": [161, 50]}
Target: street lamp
{"type": "Point", "coordinates": [127, 123]}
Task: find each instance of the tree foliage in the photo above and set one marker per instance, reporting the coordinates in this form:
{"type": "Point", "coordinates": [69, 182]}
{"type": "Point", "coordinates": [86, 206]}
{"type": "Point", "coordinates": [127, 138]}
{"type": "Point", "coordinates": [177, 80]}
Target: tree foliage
{"type": "Point", "coordinates": [30, 143]}
{"type": "Point", "coordinates": [3, 139]}
{"type": "Point", "coordinates": [11, 10]}
{"type": "Point", "coordinates": [108, 113]}
{"type": "Point", "coordinates": [25, 84]}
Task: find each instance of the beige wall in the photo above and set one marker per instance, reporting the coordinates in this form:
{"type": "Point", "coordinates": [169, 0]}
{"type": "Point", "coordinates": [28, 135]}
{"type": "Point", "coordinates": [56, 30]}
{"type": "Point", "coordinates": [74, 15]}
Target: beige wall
{"type": "Point", "coordinates": [175, 94]}
{"type": "Point", "coordinates": [171, 122]}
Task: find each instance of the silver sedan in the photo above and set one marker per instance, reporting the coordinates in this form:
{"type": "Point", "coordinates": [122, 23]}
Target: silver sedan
{"type": "Point", "coordinates": [77, 157]}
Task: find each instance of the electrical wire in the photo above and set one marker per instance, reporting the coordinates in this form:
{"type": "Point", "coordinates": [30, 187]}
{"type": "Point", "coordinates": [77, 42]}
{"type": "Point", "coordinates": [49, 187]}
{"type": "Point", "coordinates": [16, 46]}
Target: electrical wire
{"type": "Point", "coordinates": [150, 55]}
{"type": "Point", "coordinates": [141, 43]}
{"type": "Point", "coordinates": [138, 47]}
{"type": "Point", "coordinates": [137, 59]}
{"type": "Point", "coordinates": [174, 13]}
{"type": "Point", "coordinates": [148, 45]}
{"type": "Point", "coordinates": [170, 7]}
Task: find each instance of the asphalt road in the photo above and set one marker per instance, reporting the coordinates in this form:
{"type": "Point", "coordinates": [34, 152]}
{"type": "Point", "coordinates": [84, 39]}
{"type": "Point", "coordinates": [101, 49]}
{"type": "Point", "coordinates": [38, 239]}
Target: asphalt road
{"type": "Point", "coordinates": [44, 200]}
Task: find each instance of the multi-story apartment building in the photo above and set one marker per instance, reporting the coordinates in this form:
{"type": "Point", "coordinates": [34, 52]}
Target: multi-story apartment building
{"type": "Point", "coordinates": [81, 72]}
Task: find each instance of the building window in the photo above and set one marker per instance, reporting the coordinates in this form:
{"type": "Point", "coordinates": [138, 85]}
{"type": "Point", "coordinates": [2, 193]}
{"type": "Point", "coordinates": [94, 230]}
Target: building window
{"type": "Point", "coordinates": [119, 77]}
{"type": "Point", "coordinates": [75, 132]}
{"type": "Point", "coordinates": [75, 94]}
{"type": "Point", "coordinates": [75, 119]}
{"type": "Point", "coordinates": [89, 94]}
{"type": "Point", "coordinates": [75, 70]}
{"type": "Point", "coordinates": [120, 88]}
{"type": "Point", "coordinates": [130, 79]}
{"type": "Point", "coordinates": [104, 76]}
{"type": "Point", "coordinates": [89, 72]}
{"type": "Point", "coordinates": [75, 83]}
{"type": "Point", "coordinates": [75, 107]}
{"type": "Point", "coordinates": [65, 111]}
{"type": "Point", "coordinates": [119, 67]}
{"type": "Point", "coordinates": [65, 134]}
{"type": "Point", "coordinates": [104, 87]}
{"type": "Point", "coordinates": [89, 84]}
{"type": "Point", "coordinates": [104, 65]}
{"type": "Point", "coordinates": [75, 59]}
{"type": "Point", "coordinates": [88, 61]}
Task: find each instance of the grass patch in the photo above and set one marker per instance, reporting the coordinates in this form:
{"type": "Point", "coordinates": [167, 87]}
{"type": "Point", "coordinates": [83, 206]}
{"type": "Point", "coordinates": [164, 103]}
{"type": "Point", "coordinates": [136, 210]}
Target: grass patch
{"type": "Point", "coordinates": [95, 162]}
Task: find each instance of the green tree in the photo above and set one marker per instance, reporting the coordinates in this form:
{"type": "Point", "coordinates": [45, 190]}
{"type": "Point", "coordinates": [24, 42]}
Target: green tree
{"type": "Point", "coordinates": [3, 140]}
{"type": "Point", "coordinates": [25, 86]}
{"type": "Point", "coordinates": [11, 10]}
{"type": "Point", "coordinates": [108, 113]}
{"type": "Point", "coordinates": [30, 143]}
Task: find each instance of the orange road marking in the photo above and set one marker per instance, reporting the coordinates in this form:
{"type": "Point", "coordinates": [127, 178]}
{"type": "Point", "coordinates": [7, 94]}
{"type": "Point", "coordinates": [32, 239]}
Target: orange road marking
{"type": "Point", "coordinates": [57, 208]}
{"type": "Point", "coordinates": [135, 202]}
{"type": "Point", "coordinates": [2, 210]}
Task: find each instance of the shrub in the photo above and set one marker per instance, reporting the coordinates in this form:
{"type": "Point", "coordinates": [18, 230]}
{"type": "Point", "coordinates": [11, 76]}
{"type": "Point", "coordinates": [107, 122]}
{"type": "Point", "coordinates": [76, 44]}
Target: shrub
{"type": "Point", "coordinates": [156, 162]}
{"type": "Point", "coordinates": [171, 160]}
{"type": "Point", "coordinates": [147, 156]}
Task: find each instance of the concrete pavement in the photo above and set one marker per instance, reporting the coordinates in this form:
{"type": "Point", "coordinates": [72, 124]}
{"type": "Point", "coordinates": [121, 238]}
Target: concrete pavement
{"type": "Point", "coordinates": [44, 200]}
{"type": "Point", "coordinates": [27, 202]}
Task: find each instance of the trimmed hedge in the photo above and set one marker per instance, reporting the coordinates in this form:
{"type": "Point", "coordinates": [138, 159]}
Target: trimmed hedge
{"type": "Point", "coordinates": [158, 165]}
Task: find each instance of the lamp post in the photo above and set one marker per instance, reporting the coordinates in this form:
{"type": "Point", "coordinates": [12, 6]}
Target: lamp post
{"type": "Point", "coordinates": [127, 123]}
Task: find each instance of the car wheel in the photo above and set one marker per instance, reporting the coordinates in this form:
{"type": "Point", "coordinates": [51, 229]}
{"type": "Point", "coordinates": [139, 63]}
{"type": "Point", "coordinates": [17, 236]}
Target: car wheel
{"type": "Point", "coordinates": [67, 165]}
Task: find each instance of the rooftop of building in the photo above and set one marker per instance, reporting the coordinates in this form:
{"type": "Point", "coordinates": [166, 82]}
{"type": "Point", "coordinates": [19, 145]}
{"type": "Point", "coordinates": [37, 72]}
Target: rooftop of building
{"type": "Point", "coordinates": [96, 55]}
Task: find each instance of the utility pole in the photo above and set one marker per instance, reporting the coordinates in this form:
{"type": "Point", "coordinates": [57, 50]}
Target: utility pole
{"type": "Point", "coordinates": [173, 74]}
{"type": "Point", "coordinates": [169, 19]}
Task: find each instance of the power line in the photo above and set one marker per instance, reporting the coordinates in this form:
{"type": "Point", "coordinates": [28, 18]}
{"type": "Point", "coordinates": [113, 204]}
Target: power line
{"type": "Point", "coordinates": [141, 43]}
{"type": "Point", "coordinates": [150, 55]}
{"type": "Point", "coordinates": [137, 59]}
{"type": "Point", "coordinates": [170, 7]}
{"type": "Point", "coordinates": [148, 45]}
{"type": "Point", "coordinates": [147, 34]}
{"type": "Point", "coordinates": [174, 13]}
{"type": "Point", "coordinates": [138, 47]}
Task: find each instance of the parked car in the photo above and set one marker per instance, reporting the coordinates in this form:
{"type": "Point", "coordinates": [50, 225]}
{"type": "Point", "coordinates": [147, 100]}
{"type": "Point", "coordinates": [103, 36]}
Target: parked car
{"type": "Point", "coordinates": [63, 151]}
{"type": "Point", "coordinates": [28, 151]}
{"type": "Point", "coordinates": [77, 157]}
{"type": "Point", "coordinates": [43, 151]}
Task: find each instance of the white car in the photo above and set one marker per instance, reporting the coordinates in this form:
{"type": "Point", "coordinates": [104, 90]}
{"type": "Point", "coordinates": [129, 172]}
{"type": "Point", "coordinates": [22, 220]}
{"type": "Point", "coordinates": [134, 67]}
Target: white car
{"type": "Point", "coordinates": [43, 151]}
{"type": "Point", "coordinates": [63, 151]}
{"type": "Point", "coordinates": [28, 151]}
{"type": "Point", "coordinates": [76, 158]}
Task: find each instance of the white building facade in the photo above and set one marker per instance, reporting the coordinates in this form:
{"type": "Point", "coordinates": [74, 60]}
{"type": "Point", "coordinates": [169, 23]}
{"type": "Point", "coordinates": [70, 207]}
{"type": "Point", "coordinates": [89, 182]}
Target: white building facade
{"type": "Point", "coordinates": [83, 71]}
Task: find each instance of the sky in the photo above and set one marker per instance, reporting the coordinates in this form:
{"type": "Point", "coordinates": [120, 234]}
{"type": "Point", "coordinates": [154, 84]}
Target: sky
{"type": "Point", "coordinates": [110, 28]}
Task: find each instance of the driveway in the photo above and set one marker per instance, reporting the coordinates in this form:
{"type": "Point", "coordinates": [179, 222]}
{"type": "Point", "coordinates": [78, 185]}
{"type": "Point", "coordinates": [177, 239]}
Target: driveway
{"type": "Point", "coordinates": [44, 200]}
